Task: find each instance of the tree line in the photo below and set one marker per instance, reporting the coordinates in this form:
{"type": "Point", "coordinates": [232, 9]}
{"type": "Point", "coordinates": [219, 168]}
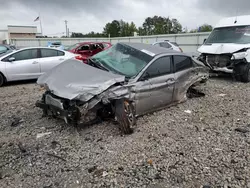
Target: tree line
{"type": "Point", "coordinates": [155, 25]}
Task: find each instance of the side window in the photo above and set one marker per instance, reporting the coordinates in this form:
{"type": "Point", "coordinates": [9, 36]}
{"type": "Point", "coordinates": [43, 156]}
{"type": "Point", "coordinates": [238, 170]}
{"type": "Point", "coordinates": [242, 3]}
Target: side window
{"type": "Point", "coordinates": [94, 46]}
{"type": "Point", "coordinates": [50, 53]}
{"type": "Point", "coordinates": [84, 47]}
{"type": "Point", "coordinates": [59, 53]}
{"type": "Point", "coordinates": [182, 63]}
{"type": "Point", "coordinates": [160, 67]}
{"type": "Point", "coordinates": [25, 54]}
{"type": "Point", "coordinates": [157, 44]}
{"type": "Point", "coordinates": [165, 45]}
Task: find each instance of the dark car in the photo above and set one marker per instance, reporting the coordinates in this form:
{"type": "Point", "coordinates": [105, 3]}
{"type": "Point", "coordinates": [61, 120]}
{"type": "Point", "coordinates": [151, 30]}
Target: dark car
{"type": "Point", "coordinates": [125, 81]}
{"type": "Point", "coordinates": [5, 48]}
{"type": "Point", "coordinates": [88, 49]}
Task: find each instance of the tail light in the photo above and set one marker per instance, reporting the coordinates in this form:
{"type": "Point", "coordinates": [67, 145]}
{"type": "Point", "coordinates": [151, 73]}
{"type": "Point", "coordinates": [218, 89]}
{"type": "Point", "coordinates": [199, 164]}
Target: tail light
{"type": "Point", "coordinates": [180, 49]}
{"type": "Point", "coordinates": [79, 57]}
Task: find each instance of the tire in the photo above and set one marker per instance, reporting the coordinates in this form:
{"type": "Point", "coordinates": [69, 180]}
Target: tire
{"type": "Point", "coordinates": [2, 79]}
{"type": "Point", "coordinates": [124, 112]}
{"type": "Point", "coordinates": [238, 72]}
{"type": "Point", "coordinates": [245, 77]}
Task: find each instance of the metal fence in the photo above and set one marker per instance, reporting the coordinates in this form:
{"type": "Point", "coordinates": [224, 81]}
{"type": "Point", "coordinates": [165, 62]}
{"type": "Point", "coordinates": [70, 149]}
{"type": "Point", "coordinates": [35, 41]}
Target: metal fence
{"type": "Point", "coordinates": [189, 42]}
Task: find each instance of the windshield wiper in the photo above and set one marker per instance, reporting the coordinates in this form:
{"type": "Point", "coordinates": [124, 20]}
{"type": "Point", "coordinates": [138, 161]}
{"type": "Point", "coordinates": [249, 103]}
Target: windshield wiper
{"type": "Point", "coordinates": [98, 64]}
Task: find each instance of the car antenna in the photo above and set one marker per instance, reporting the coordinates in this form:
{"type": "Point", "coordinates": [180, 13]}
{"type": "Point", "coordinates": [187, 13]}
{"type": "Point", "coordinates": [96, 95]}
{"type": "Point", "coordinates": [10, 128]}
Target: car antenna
{"type": "Point", "coordinates": [236, 16]}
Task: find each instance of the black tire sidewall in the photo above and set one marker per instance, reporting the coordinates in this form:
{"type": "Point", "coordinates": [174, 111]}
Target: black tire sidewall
{"type": "Point", "coordinates": [125, 125]}
{"type": "Point", "coordinates": [245, 68]}
{"type": "Point", "coordinates": [1, 80]}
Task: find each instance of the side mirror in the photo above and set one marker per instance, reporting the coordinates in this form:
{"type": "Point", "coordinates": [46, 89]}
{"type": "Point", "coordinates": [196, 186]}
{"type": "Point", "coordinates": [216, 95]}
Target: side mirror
{"type": "Point", "coordinates": [11, 59]}
{"type": "Point", "coordinates": [204, 41]}
{"type": "Point", "coordinates": [145, 76]}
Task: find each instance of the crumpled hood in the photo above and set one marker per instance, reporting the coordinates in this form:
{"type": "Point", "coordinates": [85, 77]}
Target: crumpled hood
{"type": "Point", "coordinates": [222, 48]}
{"type": "Point", "coordinates": [73, 79]}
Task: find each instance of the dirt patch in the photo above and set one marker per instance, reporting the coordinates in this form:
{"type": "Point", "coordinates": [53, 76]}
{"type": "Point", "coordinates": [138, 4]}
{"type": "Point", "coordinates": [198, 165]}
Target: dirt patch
{"type": "Point", "coordinates": [208, 146]}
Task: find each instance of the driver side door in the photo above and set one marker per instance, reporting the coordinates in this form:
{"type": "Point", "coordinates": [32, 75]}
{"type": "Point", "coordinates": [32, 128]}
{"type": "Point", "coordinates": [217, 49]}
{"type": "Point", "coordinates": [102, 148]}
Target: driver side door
{"type": "Point", "coordinates": [159, 77]}
{"type": "Point", "coordinates": [24, 65]}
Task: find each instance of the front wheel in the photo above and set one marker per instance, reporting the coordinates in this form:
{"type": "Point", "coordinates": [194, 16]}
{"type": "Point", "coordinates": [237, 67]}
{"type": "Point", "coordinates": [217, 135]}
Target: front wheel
{"type": "Point", "coordinates": [1, 80]}
{"type": "Point", "coordinates": [124, 112]}
{"type": "Point", "coordinates": [245, 77]}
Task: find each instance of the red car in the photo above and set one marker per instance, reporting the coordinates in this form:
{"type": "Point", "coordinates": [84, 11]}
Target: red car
{"type": "Point", "coordinates": [88, 49]}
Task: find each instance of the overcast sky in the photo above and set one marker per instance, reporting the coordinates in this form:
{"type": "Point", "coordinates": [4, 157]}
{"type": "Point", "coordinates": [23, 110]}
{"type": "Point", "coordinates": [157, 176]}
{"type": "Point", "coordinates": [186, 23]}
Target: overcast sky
{"type": "Point", "coordinates": [92, 15]}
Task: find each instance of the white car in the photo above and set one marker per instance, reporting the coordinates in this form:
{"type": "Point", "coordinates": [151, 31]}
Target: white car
{"type": "Point", "coordinates": [30, 63]}
{"type": "Point", "coordinates": [168, 45]}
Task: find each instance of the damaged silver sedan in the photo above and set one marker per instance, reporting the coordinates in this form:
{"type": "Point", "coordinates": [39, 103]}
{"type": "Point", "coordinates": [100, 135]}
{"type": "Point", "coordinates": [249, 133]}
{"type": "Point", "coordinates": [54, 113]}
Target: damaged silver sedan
{"type": "Point", "coordinates": [123, 82]}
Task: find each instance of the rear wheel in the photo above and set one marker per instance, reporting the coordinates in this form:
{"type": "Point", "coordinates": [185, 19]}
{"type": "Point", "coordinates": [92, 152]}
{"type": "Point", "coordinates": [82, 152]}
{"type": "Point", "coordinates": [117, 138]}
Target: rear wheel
{"type": "Point", "coordinates": [125, 115]}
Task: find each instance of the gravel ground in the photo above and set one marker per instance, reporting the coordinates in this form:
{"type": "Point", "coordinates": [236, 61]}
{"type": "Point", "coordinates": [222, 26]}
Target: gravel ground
{"type": "Point", "coordinates": [204, 142]}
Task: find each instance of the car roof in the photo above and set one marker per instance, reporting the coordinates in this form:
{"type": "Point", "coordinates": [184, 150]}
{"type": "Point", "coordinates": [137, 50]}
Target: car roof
{"type": "Point", "coordinates": [151, 49]}
{"type": "Point", "coordinates": [234, 21]}
{"type": "Point", "coordinates": [80, 43]}
{"type": "Point", "coordinates": [39, 47]}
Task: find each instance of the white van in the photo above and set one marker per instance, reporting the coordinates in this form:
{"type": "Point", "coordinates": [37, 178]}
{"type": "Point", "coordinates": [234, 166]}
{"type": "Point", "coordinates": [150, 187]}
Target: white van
{"type": "Point", "coordinates": [227, 48]}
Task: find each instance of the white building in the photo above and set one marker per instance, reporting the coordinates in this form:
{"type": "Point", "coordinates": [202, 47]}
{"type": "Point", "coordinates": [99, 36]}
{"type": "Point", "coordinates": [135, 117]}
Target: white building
{"type": "Point", "coordinates": [15, 31]}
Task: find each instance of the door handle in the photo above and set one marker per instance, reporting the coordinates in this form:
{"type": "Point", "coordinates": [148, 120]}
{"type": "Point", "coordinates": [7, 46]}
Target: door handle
{"type": "Point", "coordinates": [61, 59]}
{"type": "Point", "coordinates": [170, 80]}
{"type": "Point", "coordinates": [35, 62]}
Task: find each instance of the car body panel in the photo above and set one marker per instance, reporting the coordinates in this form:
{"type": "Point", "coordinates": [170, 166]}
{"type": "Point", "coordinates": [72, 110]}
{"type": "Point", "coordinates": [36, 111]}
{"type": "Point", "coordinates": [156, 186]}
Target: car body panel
{"type": "Point", "coordinates": [22, 70]}
{"type": "Point", "coordinates": [159, 94]}
{"type": "Point", "coordinates": [219, 48]}
{"type": "Point", "coordinates": [82, 81]}
{"type": "Point", "coordinates": [47, 63]}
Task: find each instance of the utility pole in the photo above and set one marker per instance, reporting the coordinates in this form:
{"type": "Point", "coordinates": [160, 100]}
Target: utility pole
{"type": "Point", "coordinates": [66, 22]}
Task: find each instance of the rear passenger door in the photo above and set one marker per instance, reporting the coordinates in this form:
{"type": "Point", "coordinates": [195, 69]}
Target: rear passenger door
{"type": "Point", "coordinates": [50, 58]}
{"type": "Point", "coordinates": [183, 68]}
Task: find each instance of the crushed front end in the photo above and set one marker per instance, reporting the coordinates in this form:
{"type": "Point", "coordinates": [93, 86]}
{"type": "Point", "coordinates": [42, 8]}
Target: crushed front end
{"type": "Point", "coordinates": [73, 112]}
{"type": "Point", "coordinates": [223, 62]}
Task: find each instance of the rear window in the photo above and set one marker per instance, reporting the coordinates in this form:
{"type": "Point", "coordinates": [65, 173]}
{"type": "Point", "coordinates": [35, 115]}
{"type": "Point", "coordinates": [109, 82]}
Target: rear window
{"type": "Point", "coordinates": [174, 43]}
{"type": "Point", "coordinates": [165, 45]}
